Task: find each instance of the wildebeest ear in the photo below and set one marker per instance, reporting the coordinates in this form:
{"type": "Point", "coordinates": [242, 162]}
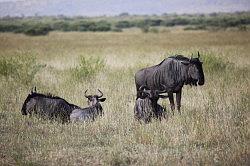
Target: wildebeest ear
{"type": "Point", "coordinates": [163, 96]}
{"type": "Point", "coordinates": [198, 55]}
{"type": "Point", "coordinates": [102, 99]}
{"type": "Point", "coordinates": [185, 62]}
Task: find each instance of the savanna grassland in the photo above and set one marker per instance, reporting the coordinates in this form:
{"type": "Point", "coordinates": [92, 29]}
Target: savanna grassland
{"type": "Point", "coordinates": [212, 130]}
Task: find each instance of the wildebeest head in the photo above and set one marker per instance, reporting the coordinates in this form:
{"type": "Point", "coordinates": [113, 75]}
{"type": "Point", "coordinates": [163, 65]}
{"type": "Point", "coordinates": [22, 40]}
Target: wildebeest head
{"type": "Point", "coordinates": [28, 103]}
{"type": "Point", "coordinates": [195, 71]}
{"type": "Point", "coordinates": [94, 99]}
{"type": "Point", "coordinates": [151, 94]}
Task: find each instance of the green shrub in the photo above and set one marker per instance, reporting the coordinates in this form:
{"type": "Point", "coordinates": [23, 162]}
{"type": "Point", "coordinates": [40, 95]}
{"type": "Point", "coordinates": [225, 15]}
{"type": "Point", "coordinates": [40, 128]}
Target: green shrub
{"type": "Point", "coordinates": [117, 30]}
{"type": "Point", "coordinates": [154, 30]}
{"type": "Point", "coordinates": [60, 26]}
{"type": "Point", "coordinates": [102, 26]}
{"type": "Point", "coordinates": [198, 27]}
{"type": "Point", "coordinates": [145, 29]}
{"type": "Point", "coordinates": [87, 67]}
{"type": "Point", "coordinates": [20, 69]}
{"type": "Point", "coordinates": [124, 24]}
{"type": "Point", "coordinates": [36, 30]}
{"type": "Point", "coordinates": [90, 26]}
{"type": "Point", "coordinates": [242, 28]}
{"type": "Point", "coordinates": [213, 64]}
{"type": "Point", "coordinates": [9, 27]}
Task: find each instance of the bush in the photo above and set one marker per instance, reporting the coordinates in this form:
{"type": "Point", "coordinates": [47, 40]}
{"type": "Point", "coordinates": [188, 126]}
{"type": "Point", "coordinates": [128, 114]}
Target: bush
{"type": "Point", "coordinates": [145, 29]}
{"type": "Point", "coordinates": [102, 26]}
{"type": "Point", "coordinates": [242, 28]}
{"type": "Point", "coordinates": [88, 67]}
{"type": "Point", "coordinates": [20, 69]}
{"type": "Point", "coordinates": [214, 64]}
{"type": "Point", "coordinates": [9, 27]}
{"type": "Point", "coordinates": [60, 26]}
{"type": "Point", "coordinates": [198, 27]}
{"type": "Point", "coordinates": [36, 30]}
{"type": "Point", "coordinates": [154, 30]}
{"type": "Point", "coordinates": [123, 24]}
{"type": "Point", "coordinates": [117, 30]}
{"type": "Point", "coordinates": [176, 21]}
{"type": "Point", "coordinates": [90, 26]}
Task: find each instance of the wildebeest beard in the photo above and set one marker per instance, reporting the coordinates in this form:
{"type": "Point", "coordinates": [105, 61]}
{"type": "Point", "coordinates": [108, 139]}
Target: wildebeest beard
{"type": "Point", "coordinates": [191, 82]}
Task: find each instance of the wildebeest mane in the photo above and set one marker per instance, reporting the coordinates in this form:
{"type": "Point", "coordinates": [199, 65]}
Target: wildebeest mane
{"type": "Point", "coordinates": [48, 95]}
{"type": "Point", "coordinates": [179, 57]}
{"type": "Point", "coordinates": [176, 57]}
{"type": "Point", "coordinates": [177, 74]}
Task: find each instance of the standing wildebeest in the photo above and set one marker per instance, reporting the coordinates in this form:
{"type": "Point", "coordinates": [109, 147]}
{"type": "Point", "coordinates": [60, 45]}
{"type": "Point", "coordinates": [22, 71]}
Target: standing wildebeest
{"type": "Point", "coordinates": [146, 106]}
{"type": "Point", "coordinates": [173, 72]}
{"type": "Point", "coordinates": [91, 112]}
{"type": "Point", "coordinates": [48, 106]}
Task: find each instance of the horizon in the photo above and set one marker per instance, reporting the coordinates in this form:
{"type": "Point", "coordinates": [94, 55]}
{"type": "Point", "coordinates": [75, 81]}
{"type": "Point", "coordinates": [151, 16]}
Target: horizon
{"type": "Point", "coordinates": [124, 14]}
{"type": "Point", "coordinates": [88, 8]}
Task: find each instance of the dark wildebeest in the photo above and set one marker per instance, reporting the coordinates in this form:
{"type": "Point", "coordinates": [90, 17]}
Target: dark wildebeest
{"type": "Point", "coordinates": [48, 106]}
{"type": "Point", "coordinates": [173, 72]}
{"type": "Point", "coordinates": [89, 113]}
{"type": "Point", "coordinates": [146, 106]}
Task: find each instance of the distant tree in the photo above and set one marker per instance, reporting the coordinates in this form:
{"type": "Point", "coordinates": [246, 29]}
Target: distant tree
{"type": "Point", "coordinates": [37, 30]}
{"type": "Point", "coordinates": [125, 14]}
{"type": "Point", "coordinates": [123, 24]}
{"type": "Point", "coordinates": [103, 26]}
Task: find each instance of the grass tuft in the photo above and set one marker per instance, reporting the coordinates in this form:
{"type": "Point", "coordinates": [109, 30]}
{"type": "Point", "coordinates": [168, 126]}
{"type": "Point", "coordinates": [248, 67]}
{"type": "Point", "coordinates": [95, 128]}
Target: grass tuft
{"type": "Point", "coordinates": [87, 67]}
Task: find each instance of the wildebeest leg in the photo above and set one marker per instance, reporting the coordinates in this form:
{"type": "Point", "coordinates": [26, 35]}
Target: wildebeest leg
{"type": "Point", "coordinates": [171, 100]}
{"type": "Point", "coordinates": [178, 101]}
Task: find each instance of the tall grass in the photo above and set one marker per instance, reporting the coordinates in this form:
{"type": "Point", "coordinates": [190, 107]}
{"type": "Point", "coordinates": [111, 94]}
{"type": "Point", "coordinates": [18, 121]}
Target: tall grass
{"type": "Point", "coordinates": [87, 67]}
{"type": "Point", "coordinates": [213, 129]}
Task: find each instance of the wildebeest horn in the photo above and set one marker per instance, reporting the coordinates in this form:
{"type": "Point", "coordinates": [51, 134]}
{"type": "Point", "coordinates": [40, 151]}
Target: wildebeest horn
{"type": "Point", "coordinates": [198, 55]}
{"type": "Point", "coordinates": [85, 93]}
{"type": "Point", "coordinates": [100, 92]}
{"type": "Point", "coordinates": [33, 90]}
{"type": "Point", "coordinates": [192, 56]}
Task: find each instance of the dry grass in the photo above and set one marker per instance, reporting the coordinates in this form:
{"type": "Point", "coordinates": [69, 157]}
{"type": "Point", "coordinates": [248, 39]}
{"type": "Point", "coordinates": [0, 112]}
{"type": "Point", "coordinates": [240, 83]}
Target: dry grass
{"type": "Point", "coordinates": [213, 129]}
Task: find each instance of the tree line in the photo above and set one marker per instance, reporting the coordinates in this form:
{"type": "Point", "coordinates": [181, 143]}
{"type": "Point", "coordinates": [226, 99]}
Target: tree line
{"type": "Point", "coordinates": [43, 25]}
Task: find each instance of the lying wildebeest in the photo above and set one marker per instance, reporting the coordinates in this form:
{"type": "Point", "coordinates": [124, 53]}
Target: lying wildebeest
{"type": "Point", "coordinates": [146, 106]}
{"type": "Point", "coordinates": [89, 113]}
{"type": "Point", "coordinates": [48, 106]}
{"type": "Point", "coordinates": [173, 72]}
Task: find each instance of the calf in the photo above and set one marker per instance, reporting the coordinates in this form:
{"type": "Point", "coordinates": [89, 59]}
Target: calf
{"type": "Point", "coordinates": [89, 113]}
{"type": "Point", "coordinates": [146, 106]}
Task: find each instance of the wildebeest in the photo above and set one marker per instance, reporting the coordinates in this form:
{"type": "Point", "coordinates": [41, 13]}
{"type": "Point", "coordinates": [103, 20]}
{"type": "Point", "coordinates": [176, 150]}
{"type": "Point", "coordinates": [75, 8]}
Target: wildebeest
{"type": "Point", "coordinates": [173, 72]}
{"type": "Point", "coordinates": [48, 106]}
{"type": "Point", "coordinates": [146, 106]}
{"type": "Point", "coordinates": [89, 113]}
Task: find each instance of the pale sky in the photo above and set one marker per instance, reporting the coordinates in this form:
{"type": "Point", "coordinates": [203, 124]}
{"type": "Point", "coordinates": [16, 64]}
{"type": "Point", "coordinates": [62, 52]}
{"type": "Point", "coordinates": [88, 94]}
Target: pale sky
{"type": "Point", "coordinates": [115, 7]}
